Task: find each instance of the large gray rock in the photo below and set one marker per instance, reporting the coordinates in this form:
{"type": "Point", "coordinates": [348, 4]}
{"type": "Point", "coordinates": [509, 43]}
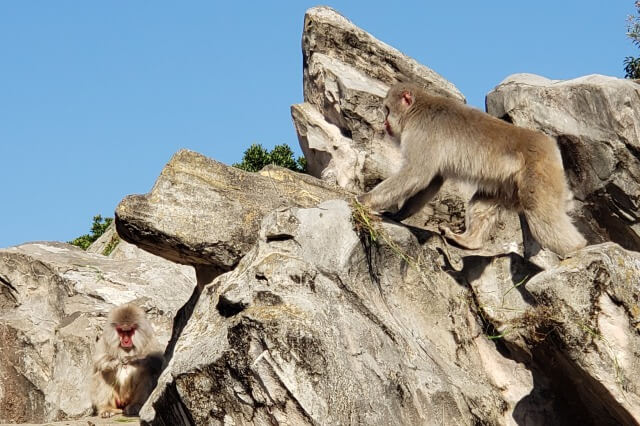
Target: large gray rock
{"type": "Point", "coordinates": [578, 324]}
{"type": "Point", "coordinates": [315, 327]}
{"type": "Point", "coordinates": [596, 120]}
{"type": "Point", "coordinates": [53, 303]}
{"type": "Point", "coordinates": [591, 304]}
{"type": "Point", "coordinates": [202, 212]}
{"type": "Point", "coordinates": [346, 74]}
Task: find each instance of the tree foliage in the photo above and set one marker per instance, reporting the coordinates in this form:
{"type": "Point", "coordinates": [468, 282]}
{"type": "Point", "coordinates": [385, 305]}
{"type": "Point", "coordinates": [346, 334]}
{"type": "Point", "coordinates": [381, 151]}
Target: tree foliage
{"type": "Point", "coordinates": [631, 64]}
{"type": "Point", "coordinates": [256, 157]}
{"type": "Point", "coordinates": [97, 229]}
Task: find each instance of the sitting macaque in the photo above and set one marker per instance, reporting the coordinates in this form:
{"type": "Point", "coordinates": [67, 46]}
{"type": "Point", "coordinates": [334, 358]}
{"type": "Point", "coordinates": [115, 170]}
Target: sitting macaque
{"type": "Point", "coordinates": [126, 364]}
{"type": "Point", "coordinates": [512, 167]}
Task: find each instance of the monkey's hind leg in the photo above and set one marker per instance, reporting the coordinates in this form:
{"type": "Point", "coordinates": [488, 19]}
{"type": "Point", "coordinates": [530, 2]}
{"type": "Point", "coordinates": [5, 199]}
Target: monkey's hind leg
{"type": "Point", "coordinates": [415, 203]}
{"type": "Point", "coordinates": [482, 214]}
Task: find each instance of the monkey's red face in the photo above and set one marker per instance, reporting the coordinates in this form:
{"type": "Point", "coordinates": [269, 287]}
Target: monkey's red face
{"type": "Point", "coordinates": [125, 333]}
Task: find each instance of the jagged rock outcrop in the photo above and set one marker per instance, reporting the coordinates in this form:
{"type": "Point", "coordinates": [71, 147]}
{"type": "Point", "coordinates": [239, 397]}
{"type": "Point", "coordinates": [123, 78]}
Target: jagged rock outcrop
{"type": "Point", "coordinates": [577, 326]}
{"type": "Point", "coordinates": [596, 120]}
{"type": "Point", "coordinates": [53, 303]}
{"type": "Point", "coordinates": [346, 73]}
{"type": "Point", "coordinates": [201, 212]}
{"type": "Point", "coordinates": [316, 327]}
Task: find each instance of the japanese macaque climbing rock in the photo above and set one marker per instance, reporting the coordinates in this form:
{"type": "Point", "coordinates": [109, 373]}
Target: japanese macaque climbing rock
{"type": "Point", "coordinates": [512, 167]}
{"type": "Point", "coordinates": [126, 363]}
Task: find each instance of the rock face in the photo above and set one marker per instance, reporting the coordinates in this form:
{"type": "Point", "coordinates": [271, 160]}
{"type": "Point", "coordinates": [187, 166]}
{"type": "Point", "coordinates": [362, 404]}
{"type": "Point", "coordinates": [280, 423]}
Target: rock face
{"type": "Point", "coordinates": [576, 326]}
{"type": "Point", "coordinates": [315, 327]}
{"type": "Point", "coordinates": [53, 303]}
{"type": "Point", "coordinates": [181, 220]}
{"type": "Point", "coordinates": [346, 74]}
{"type": "Point", "coordinates": [596, 120]}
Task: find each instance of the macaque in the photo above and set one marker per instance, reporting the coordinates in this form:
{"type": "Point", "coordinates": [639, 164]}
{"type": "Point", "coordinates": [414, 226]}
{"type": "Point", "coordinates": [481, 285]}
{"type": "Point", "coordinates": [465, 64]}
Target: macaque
{"type": "Point", "coordinates": [126, 364]}
{"type": "Point", "coordinates": [510, 166]}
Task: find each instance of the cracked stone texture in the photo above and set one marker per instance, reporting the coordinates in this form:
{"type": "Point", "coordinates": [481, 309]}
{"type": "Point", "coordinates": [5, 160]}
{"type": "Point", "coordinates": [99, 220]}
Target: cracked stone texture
{"type": "Point", "coordinates": [315, 327]}
{"type": "Point", "coordinates": [54, 298]}
{"type": "Point", "coordinates": [346, 74]}
{"type": "Point", "coordinates": [596, 120]}
{"type": "Point", "coordinates": [180, 218]}
{"type": "Point", "coordinates": [578, 323]}
{"type": "Point", "coordinates": [318, 326]}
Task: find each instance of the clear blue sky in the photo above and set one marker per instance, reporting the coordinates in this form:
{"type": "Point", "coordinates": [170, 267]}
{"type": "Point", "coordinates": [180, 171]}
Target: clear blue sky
{"type": "Point", "coordinates": [95, 97]}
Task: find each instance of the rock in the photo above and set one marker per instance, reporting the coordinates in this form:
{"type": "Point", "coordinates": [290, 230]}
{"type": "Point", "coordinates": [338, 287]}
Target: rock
{"type": "Point", "coordinates": [342, 164]}
{"type": "Point", "coordinates": [202, 212]}
{"type": "Point", "coordinates": [54, 298]}
{"type": "Point", "coordinates": [590, 304]}
{"type": "Point", "coordinates": [596, 120]}
{"type": "Point", "coordinates": [109, 244]}
{"type": "Point", "coordinates": [315, 327]}
{"type": "Point", "coordinates": [346, 74]}
{"type": "Point", "coordinates": [577, 325]}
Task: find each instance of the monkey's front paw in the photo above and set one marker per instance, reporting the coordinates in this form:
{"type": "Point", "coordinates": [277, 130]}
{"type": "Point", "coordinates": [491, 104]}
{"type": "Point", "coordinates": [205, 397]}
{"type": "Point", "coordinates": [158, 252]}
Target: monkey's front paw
{"type": "Point", "coordinates": [364, 199]}
{"type": "Point", "coordinates": [367, 201]}
{"type": "Point", "coordinates": [110, 413]}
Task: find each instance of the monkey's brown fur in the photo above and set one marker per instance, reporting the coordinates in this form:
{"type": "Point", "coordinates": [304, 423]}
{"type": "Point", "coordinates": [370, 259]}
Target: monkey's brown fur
{"type": "Point", "coordinates": [517, 168]}
{"type": "Point", "coordinates": [123, 378]}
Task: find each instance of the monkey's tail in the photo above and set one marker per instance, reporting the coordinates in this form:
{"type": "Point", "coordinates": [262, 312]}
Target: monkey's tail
{"type": "Point", "coordinates": [555, 231]}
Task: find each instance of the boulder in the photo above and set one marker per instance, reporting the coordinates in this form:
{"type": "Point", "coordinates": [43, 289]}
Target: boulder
{"type": "Point", "coordinates": [202, 212]}
{"type": "Point", "coordinates": [576, 325]}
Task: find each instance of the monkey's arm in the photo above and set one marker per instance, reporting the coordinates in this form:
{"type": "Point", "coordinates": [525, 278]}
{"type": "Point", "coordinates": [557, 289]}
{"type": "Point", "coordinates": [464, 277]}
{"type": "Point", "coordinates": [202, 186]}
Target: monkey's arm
{"type": "Point", "coordinates": [415, 175]}
{"type": "Point", "coordinates": [105, 362]}
{"type": "Point", "coordinates": [395, 190]}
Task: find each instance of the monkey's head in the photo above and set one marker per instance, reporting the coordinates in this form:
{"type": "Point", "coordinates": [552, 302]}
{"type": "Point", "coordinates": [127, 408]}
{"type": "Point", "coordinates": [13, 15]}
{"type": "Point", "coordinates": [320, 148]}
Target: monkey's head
{"type": "Point", "coordinates": [129, 327]}
{"type": "Point", "coordinates": [398, 101]}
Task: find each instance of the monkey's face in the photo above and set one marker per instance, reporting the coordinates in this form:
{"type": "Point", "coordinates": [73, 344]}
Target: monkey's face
{"type": "Point", "coordinates": [125, 333]}
{"type": "Point", "coordinates": [392, 124]}
{"type": "Point", "coordinates": [395, 105]}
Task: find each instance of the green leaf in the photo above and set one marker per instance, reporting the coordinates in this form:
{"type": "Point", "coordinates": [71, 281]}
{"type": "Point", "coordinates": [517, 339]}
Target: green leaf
{"type": "Point", "coordinates": [256, 157]}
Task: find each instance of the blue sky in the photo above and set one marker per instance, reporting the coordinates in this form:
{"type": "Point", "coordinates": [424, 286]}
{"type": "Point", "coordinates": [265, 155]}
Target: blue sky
{"type": "Point", "coordinates": [95, 97]}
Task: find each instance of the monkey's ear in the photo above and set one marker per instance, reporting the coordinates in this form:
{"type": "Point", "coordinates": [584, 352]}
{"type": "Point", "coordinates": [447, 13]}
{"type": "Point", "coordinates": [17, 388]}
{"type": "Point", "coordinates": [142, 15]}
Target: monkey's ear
{"type": "Point", "coordinates": [407, 98]}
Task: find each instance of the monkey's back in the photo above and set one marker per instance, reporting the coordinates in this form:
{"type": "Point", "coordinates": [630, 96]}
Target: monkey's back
{"type": "Point", "coordinates": [491, 153]}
